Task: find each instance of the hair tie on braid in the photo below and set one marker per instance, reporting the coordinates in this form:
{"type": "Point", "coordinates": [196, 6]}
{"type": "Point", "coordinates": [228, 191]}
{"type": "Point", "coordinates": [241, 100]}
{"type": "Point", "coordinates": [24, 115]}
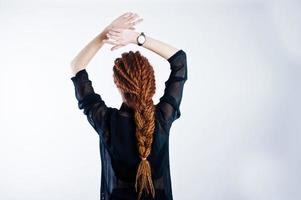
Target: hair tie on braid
{"type": "Point", "coordinates": [143, 158]}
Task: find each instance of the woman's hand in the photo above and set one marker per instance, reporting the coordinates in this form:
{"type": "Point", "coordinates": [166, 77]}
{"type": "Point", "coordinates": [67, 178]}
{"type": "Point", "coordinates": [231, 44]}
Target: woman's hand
{"type": "Point", "coordinates": [121, 37]}
{"type": "Point", "coordinates": [126, 21]}
{"type": "Point", "coordinates": [81, 60]}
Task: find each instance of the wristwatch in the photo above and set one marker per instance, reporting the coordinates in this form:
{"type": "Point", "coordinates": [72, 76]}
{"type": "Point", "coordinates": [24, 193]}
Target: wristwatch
{"type": "Point", "coordinates": [141, 39]}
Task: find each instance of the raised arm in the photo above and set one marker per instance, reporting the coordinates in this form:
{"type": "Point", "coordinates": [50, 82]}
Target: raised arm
{"type": "Point", "coordinates": [163, 49]}
{"type": "Point", "coordinates": [169, 104]}
{"type": "Point", "coordinates": [91, 103]}
{"type": "Point", "coordinates": [82, 59]}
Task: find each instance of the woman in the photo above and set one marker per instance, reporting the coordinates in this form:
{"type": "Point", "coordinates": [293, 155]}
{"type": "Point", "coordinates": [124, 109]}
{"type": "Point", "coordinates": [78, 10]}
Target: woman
{"type": "Point", "coordinates": [134, 138]}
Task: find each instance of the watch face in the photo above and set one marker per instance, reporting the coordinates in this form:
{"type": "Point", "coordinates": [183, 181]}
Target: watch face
{"type": "Point", "coordinates": [141, 39]}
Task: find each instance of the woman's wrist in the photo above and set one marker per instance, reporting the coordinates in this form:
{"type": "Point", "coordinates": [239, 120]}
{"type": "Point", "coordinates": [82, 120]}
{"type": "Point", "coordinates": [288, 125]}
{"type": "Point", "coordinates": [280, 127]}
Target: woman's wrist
{"type": "Point", "coordinates": [134, 36]}
{"type": "Point", "coordinates": [103, 34]}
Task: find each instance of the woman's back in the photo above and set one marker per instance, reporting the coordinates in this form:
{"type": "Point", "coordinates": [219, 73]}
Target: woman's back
{"type": "Point", "coordinates": [118, 143]}
{"type": "Point", "coordinates": [125, 158]}
{"type": "Point", "coordinates": [123, 145]}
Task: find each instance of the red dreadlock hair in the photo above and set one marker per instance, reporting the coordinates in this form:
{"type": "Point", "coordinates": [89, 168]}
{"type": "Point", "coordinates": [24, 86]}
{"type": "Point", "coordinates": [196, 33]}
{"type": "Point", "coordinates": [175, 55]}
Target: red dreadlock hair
{"type": "Point", "coordinates": [134, 76]}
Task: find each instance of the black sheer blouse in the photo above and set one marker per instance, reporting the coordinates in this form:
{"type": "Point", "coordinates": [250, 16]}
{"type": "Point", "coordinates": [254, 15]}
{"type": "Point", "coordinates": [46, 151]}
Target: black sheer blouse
{"type": "Point", "coordinates": [117, 141]}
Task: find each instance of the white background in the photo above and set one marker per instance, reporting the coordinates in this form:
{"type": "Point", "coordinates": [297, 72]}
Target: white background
{"type": "Point", "coordinates": [238, 137]}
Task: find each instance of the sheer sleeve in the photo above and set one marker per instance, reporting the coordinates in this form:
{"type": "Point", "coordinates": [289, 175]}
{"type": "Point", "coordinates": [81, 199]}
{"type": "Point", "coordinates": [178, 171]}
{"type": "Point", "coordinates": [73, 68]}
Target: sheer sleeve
{"type": "Point", "coordinates": [91, 103]}
{"type": "Point", "coordinates": [169, 103]}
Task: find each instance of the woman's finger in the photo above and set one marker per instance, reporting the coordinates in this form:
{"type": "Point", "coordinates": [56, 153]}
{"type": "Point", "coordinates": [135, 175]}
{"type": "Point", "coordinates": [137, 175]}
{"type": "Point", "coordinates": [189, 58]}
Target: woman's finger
{"type": "Point", "coordinates": [137, 22]}
{"type": "Point", "coordinates": [117, 30]}
{"type": "Point", "coordinates": [131, 18]}
{"type": "Point", "coordinates": [113, 37]}
{"type": "Point", "coordinates": [110, 42]}
{"type": "Point", "coordinates": [114, 33]}
{"type": "Point", "coordinates": [134, 16]}
{"type": "Point", "coordinates": [126, 14]}
{"type": "Point", "coordinates": [116, 47]}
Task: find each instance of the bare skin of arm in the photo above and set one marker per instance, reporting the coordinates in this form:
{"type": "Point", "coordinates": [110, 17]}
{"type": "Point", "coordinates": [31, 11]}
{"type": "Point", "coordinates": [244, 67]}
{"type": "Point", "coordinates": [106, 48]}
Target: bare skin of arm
{"type": "Point", "coordinates": [82, 59]}
{"type": "Point", "coordinates": [122, 37]}
{"type": "Point", "coordinates": [87, 53]}
{"type": "Point", "coordinates": [163, 49]}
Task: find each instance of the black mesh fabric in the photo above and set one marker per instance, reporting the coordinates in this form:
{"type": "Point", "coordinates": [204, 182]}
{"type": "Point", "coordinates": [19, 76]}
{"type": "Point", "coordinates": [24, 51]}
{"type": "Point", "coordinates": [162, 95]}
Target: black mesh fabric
{"type": "Point", "coordinates": [117, 141]}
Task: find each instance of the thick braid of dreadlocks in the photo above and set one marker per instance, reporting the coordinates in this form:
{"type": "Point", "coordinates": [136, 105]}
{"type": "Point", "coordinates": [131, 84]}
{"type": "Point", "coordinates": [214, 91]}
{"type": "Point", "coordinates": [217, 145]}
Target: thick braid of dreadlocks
{"type": "Point", "coordinates": [134, 75]}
